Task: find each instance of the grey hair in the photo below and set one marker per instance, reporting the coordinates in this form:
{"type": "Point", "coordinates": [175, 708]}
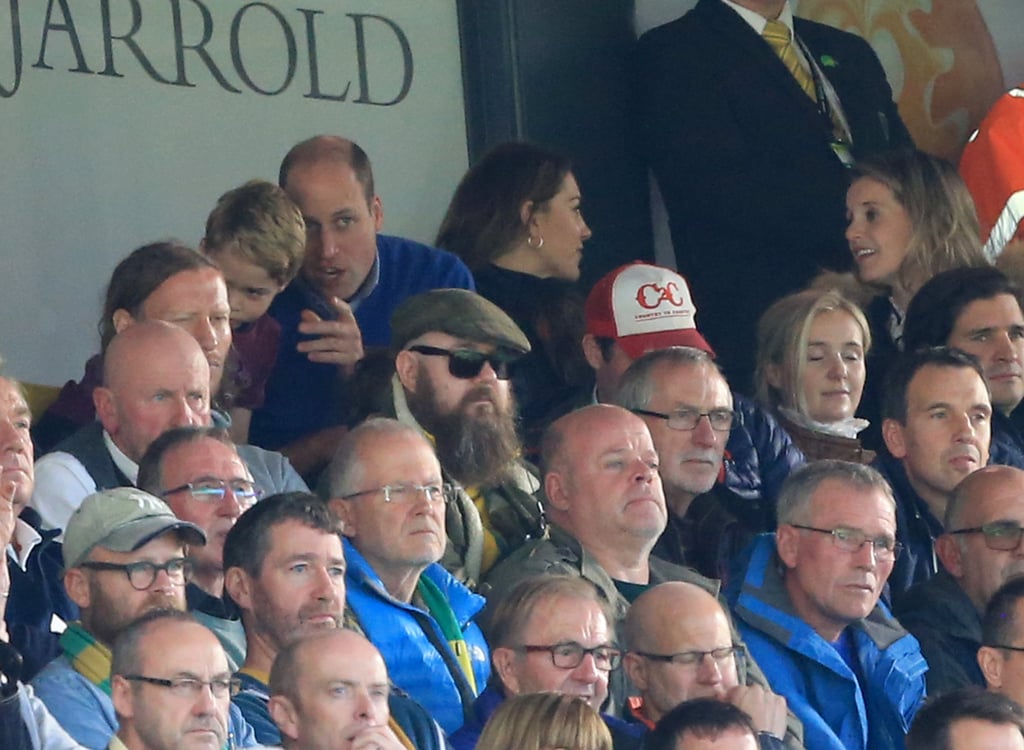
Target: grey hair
{"type": "Point", "coordinates": [795, 496]}
{"type": "Point", "coordinates": [346, 467]}
{"type": "Point", "coordinates": [636, 388]}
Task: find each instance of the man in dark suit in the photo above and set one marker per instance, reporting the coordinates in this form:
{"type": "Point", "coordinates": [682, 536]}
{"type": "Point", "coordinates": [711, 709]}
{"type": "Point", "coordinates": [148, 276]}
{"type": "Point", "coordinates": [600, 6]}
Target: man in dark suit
{"type": "Point", "coordinates": [750, 164]}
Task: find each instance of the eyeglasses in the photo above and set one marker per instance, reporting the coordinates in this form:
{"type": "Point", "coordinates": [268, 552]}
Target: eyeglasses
{"type": "Point", "coordinates": [215, 490]}
{"type": "Point", "coordinates": [190, 687]}
{"type": "Point", "coordinates": [999, 535]}
{"type": "Point", "coordinates": [408, 493]}
{"type": "Point", "coordinates": [1008, 648]}
{"type": "Point", "coordinates": [696, 658]}
{"type": "Point", "coordinates": [466, 363]}
{"type": "Point", "coordinates": [569, 655]}
{"type": "Point", "coordinates": [885, 548]}
{"type": "Point", "coordinates": [687, 419]}
{"type": "Point", "coordinates": [141, 575]}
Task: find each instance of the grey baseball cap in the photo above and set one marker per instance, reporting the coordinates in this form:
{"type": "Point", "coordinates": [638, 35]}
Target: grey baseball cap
{"type": "Point", "coordinates": [122, 519]}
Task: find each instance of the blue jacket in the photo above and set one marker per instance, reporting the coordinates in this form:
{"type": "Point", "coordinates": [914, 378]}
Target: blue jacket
{"type": "Point", "coordinates": [760, 456]}
{"type": "Point", "coordinates": [303, 397]}
{"type": "Point", "coordinates": [415, 650]}
{"type": "Point", "coordinates": [1007, 446]}
{"type": "Point", "coordinates": [837, 710]}
{"type": "Point", "coordinates": [916, 529]}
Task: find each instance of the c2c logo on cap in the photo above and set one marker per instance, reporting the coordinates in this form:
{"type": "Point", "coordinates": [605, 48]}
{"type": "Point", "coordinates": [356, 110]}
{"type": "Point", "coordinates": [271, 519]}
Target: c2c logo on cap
{"type": "Point", "coordinates": [650, 296]}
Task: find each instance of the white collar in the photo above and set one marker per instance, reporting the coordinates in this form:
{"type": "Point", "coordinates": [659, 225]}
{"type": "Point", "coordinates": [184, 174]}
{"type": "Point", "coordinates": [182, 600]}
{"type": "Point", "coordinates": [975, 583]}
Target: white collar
{"type": "Point", "coordinates": [128, 467]}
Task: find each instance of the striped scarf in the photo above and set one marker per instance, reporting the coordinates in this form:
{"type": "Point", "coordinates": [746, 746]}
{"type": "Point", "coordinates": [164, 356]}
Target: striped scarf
{"type": "Point", "coordinates": [89, 657]}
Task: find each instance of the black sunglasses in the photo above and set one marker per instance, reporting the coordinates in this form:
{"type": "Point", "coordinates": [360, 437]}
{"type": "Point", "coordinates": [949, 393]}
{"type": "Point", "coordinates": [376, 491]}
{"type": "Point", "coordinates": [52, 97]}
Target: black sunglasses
{"type": "Point", "coordinates": [466, 363]}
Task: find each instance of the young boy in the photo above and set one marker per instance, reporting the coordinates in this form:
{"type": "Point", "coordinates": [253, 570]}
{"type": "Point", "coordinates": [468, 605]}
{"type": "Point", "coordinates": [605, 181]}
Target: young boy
{"type": "Point", "coordinates": [257, 237]}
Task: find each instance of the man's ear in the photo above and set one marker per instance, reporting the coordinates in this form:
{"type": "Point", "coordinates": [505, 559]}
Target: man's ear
{"type": "Point", "coordinates": [283, 712]}
{"type": "Point", "coordinates": [592, 351]}
{"type": "Point", "coordinates": [408, 368]}
{"type": "Point", "coordinates": [106, 408]}
{"type": "Point", "coordinates": [122, 319]}
{"type": "Point", "coordinates": [342, 510]}
{"type": "Point", "coordinates": [948, 551]}
{"type": "Point", "coordinates": [555, 491]}
{"type": "Point", "coordinates": [377, 209]}
{"type": "Point", "coordinates": [77, 586]}
{"type": "Point", "coordinates": [895, 440]}
{"type": "Point", "coordinates": [239, 587]}
{"type": "Point", "coordinates": [121, 697]}
{"type": "Point", "coordinates": [503, 660]}
{"type": "Point", "coordinates": [636, 670]}
{"type": "Point", "coordinates": [991, 663]}
{"type": "Point", "coordinates": [787, 544]}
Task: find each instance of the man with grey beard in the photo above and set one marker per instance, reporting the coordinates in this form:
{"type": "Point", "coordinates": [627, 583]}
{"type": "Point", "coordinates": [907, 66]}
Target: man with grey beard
{"type": "Point", "coordinates": [453, 354]}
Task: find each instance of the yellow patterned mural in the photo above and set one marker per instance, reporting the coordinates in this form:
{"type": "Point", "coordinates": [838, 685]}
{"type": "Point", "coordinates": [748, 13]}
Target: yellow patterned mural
{"type": "Point", "coordinates": [938, 54]}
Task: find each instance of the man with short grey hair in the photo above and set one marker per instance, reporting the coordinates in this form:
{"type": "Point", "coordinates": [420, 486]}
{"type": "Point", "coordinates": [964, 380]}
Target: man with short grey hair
{"type": "Point", "coordinates": [808, 609]}
{"type": "Point", "coordinates": [686, 403]}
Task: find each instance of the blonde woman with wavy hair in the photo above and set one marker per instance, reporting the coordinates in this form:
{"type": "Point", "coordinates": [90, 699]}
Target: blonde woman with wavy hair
{"type": "Point", "coordinates": [545, 721]}
{"type": "Point", "coordinates": [810, 372]}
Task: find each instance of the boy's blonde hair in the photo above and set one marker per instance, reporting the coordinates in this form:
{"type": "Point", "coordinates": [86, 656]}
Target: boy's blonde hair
{"type": "Point", "coordinates": [261, 224]}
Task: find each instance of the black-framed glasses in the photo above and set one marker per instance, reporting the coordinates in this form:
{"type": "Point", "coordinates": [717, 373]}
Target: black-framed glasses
{"type": "Point", "coordinates": [1008, 648]}
{"type": "Point", "coordinates": [1004, 536]}
{"type": "Point", "coordinates": [569, 655]}
{"type": "Point", "coordinates": [687, 419]}
{"type": "Point", "coordinates": [408, 493]}
{"type": "Point", "coordinates": [884, 548]}
{"type": "Point", "coordinates": [142, 574]}
{"type": "Point", "coordinates": [190, 687]}
{"type": "Point", "coordinates": [215, 490]}
{"type": "Point", "coordinates": [467, 363]}
{"type": "Point", "coordinates": [695, 658]}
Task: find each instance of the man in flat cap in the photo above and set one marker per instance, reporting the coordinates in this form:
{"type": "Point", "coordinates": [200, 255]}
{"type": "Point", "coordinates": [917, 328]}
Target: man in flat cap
{"type": "Point", "coordinates": [453, 354]}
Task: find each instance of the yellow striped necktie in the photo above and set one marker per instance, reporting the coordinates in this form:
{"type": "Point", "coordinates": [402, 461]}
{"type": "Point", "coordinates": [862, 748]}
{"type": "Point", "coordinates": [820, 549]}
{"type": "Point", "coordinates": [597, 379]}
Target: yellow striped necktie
{"type": "Point", "coordinates": [780, 40]}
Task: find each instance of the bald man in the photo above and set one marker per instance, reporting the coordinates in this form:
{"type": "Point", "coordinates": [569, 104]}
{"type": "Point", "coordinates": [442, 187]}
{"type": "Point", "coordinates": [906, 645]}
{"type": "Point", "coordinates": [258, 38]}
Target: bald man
{"type": "Point", "coordinates": [604, 499]}
{"type": "Point", "coordinates": [331, 690]}
{"type": "Point", "coordinates": [155, 377]}
{"type": "Point", "coordinates": [980, 551]}
{"type": "Point", "coordinates": [679, 647]}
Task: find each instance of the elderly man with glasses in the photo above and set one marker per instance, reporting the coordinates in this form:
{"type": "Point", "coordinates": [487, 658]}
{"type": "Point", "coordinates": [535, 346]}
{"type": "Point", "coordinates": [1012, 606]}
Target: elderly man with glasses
{"type": "Point", "coordinates": [686, 403]}
{"type": "Point", "coordinates": [680, 647]}
{"type": "Point", "coordinates": [808, 609]}
{"type": "Point", "coordinates": [980, 551]}
{"type": "Point", "coordinates": [387, 489]}
{"type": "Point", "coordinates": [199, 474]}
{"type": "Point", "coordinates": [551, 633]}
{"type": "Point", "coordinates": [125, 555]}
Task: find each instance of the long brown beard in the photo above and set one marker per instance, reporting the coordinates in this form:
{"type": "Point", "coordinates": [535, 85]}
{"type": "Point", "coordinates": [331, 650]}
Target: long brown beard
{"type": "Point", "coordinates": [477, 448]}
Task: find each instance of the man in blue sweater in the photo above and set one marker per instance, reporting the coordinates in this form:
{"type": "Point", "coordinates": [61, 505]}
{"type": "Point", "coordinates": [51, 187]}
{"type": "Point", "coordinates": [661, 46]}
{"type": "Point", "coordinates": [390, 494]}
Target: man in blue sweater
{"type": "Point", "coordinates": [351, 281]}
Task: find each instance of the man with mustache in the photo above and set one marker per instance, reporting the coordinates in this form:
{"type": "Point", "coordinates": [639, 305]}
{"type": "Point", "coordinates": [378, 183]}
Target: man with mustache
{"type": "Point", "coordinates": [285, 569]}
{"type": "Point", "coordinates": [936, 425]}
{"type": "Point", "coordinates": [979, 552]}
{"type": "Point", "coordinates": [683, 398]}
{"type": "Point", "coordinates": [197, 471]}
{"type": "Point", "coordinates": [453, 354]}
{"type": "Point", "coordinates": [808, 610]}
{"type": "Point", "coordinates": [978, 310]}
{"type": "Point", "coordinates": [124, 555]}
{"type": "Point", "coordinates": [387, 489]}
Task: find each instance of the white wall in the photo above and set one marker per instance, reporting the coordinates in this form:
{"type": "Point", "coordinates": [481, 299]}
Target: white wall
{"type": "Point", "coordinates": [96, 164]}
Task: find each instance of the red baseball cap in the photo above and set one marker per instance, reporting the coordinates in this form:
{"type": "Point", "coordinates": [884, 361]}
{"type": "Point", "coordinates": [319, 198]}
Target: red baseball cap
{"type": "Point", "coordinates": [644, 307]}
